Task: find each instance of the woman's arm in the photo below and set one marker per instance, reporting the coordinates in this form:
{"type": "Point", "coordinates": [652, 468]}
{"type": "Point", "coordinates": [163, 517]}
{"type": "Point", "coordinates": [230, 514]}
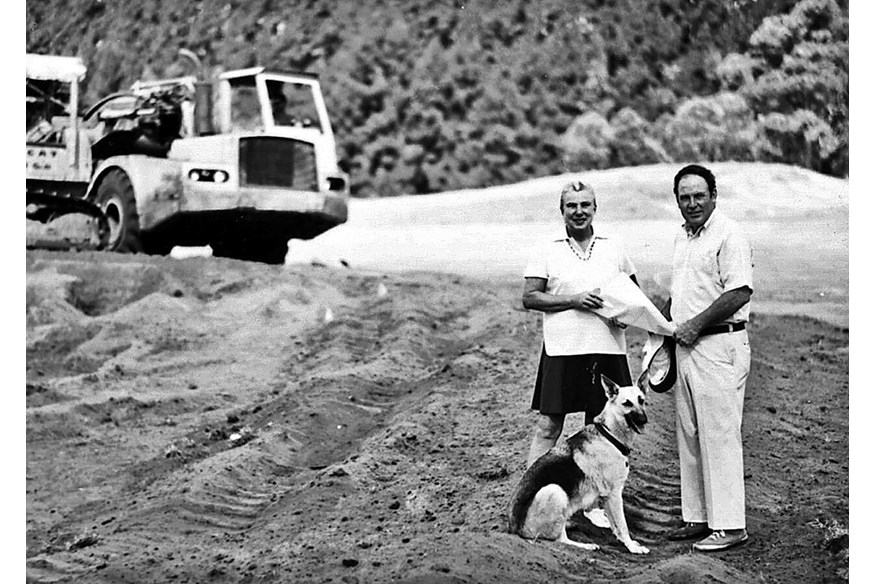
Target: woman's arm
{"type": "Point", "coordinates": [535, 298]}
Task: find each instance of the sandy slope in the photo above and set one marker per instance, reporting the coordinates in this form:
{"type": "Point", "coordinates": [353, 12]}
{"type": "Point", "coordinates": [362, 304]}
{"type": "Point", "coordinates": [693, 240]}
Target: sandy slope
{"type": "Point", "coordinates": [208, 420]}
{"type": "Point", "coordinates": [797, 220]}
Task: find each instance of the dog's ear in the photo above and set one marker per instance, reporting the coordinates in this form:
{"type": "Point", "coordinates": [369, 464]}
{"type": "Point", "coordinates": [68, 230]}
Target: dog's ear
{"type": "Point", "coordinates": [610, 387]}
{"type": "Point", "coordinates": [643, 381]}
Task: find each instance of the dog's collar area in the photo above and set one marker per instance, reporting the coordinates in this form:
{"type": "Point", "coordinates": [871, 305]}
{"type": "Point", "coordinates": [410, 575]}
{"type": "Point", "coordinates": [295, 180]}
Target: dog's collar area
{"type": "Point", "coordinates": [622, 448]}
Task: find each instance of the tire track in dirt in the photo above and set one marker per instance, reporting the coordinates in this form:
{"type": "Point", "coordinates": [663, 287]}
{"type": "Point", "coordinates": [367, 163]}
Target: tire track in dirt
{"type": "Point", "coordinates": [217, 505]}
{"type": "Point", "coordinates": [381, 444]}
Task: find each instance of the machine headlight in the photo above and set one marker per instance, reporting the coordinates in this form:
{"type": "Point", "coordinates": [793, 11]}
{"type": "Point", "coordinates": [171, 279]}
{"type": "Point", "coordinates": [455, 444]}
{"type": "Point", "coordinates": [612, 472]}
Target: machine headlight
{"type": "Point", "coordinates": [208, 175]}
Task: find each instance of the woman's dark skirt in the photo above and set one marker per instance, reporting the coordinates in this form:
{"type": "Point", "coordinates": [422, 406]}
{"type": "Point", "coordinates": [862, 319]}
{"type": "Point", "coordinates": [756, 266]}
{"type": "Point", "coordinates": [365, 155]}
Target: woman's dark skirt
{"type": "Point", "coordinates": [572, 383]}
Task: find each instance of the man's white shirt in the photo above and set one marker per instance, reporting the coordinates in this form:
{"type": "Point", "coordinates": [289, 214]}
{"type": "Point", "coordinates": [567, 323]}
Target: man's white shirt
{"type": "Point", "coordinates": [705, 264]}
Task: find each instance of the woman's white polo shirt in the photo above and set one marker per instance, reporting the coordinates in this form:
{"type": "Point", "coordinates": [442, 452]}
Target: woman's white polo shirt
{"type": "Point", "coordinates": [570, 270]}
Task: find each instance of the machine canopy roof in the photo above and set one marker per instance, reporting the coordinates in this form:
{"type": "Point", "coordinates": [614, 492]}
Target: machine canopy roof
{"type": "Point", "coordinates": [51, 67]}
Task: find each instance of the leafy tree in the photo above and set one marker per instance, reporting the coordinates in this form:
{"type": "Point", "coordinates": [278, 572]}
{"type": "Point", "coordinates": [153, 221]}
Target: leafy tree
{"type": "Point", "coordinates": [587, 143]}
{"type": "Point", "coordinates": [795, 75]}
{"type": "Point", "coordinates": [428, 96]}
{"type": "Point", "coordinates": [717, 127]}
{"type": "Point", "coordinates": [631, 142]}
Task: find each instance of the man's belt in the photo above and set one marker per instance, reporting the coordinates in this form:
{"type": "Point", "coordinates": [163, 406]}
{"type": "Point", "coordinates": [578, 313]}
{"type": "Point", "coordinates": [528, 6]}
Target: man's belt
{"type": "Point", "coordinates": [730, 327]}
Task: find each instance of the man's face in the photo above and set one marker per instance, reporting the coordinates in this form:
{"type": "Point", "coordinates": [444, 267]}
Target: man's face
{"type": "Point", "coordinates": [694, 200]}
{"type": "Point", "coordinates": [579, 207]}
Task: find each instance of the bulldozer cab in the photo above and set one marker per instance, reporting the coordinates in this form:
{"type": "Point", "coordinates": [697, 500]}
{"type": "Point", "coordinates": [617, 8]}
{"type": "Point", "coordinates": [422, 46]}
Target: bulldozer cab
{"type": "Point", "coordinates": [54, 143]}
{"type": "Point", "coordinates": [254, 100]}
{"type": "Point", "coordinates": [47, 102]}
{"type": "Point", "coordinates": [52, 96]}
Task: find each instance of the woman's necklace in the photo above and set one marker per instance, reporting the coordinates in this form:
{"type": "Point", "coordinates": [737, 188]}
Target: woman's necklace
{"type": "Point", "coordinates": [588, 251]}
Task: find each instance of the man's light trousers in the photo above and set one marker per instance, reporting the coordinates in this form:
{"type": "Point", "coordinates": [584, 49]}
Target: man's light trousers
{"type": "Point", "coordinates": [708, 411]}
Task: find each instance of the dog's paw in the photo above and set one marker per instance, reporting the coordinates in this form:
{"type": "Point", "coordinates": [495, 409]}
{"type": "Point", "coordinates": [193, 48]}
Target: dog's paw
{"type": "Point", "coordinates": [590, 547]}
{"type": "Point", "coordinates": [636, 548]}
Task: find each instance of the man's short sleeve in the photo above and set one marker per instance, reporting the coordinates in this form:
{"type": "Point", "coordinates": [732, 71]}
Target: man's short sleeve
{"type": "Point", "coordinates": [536, 267]}
{"type": "Point", "coordinates": [736, 262]}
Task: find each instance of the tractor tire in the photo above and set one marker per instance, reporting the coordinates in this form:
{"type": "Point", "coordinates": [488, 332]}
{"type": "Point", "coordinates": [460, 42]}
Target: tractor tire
{"type": "Point", "coordinates": [115, 197]}
{"type": "Point", "coordinates": [268, 251]}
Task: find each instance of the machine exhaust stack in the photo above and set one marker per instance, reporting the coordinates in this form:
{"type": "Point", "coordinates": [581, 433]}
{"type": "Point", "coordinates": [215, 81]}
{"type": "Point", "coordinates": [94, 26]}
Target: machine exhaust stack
{"type": "Point", "coordinates": [204, 109]}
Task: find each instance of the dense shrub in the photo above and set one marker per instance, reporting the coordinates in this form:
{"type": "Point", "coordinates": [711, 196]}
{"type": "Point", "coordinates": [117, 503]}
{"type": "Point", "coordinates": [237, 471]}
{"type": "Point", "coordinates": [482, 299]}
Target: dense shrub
{"type": "Point", "coordinates": [717, 127]}
{"type": "Point", "coordinates": [587, 143]}
{"type": "Point", "coordinates": [632, 141]}
{"type": "Point", "coordinates": [427, 96]}
{"type": "Point", "coordinates": [796, 76]}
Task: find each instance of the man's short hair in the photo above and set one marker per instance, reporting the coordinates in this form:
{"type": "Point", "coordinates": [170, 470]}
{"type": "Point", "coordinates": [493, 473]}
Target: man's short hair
{"type": "Point", "coordinates": [700, 171]}
{"type": "Point", "coordinates": [575, 187]}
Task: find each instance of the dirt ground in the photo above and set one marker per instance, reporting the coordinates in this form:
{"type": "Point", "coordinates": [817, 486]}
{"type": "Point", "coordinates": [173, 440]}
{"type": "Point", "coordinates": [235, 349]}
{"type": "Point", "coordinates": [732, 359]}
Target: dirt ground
{"type": "Point", "coordinates": [209, 420]}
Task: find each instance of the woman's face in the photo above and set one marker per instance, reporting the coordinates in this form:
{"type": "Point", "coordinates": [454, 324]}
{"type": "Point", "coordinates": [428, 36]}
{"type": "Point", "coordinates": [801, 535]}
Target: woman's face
{"type": "Point", "coordinates": [579, 207]}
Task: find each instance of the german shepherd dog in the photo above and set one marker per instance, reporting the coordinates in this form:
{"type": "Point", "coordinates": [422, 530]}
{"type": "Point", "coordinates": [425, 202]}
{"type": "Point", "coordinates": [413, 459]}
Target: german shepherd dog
{"type": "Point", "coordinates": [589, 468]}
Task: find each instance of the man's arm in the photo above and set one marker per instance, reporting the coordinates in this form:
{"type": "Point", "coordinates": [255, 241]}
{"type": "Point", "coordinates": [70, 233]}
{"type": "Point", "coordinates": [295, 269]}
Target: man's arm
{"type": "Point", "coordinates": [724, 306]}
{"type": "Point", "coordinates": [535, 298]}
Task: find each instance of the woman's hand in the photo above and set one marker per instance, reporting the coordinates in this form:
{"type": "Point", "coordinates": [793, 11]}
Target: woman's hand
{"type": "Point", "coordinates": [587, 300]}
{"type": "Point", "coordinates": [616, 323]}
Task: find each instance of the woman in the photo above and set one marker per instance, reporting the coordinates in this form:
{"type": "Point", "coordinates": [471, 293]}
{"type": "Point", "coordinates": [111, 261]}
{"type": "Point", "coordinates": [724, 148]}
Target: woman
{"type": "Point", "coordinates": [562, 281]}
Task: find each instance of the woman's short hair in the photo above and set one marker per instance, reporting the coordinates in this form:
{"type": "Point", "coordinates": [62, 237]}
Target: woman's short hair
{"type": "Point", "coordinates": [575, 187]}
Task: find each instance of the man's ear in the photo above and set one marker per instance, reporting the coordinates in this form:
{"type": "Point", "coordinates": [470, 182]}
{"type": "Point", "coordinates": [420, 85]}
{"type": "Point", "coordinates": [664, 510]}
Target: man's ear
{"type": "Point", "coordinates": [610, 387]}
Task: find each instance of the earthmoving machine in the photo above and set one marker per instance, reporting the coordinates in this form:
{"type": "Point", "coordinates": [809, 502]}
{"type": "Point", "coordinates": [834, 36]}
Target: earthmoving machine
{"type": "Point", "coordinates": [242, 162]}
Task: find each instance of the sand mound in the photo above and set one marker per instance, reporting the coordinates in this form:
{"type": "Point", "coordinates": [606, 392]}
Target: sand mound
{"type": "Point", "coordinates": [748, 190]}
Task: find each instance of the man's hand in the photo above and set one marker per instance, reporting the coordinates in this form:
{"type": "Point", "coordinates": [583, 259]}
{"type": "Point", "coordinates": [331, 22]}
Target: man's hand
{"type": "Point", "coordinates": [588, 300]}
{"type": "Point", "coordinates": [616, 323]}
{"type": "Point", "coordinates": [687, 333]}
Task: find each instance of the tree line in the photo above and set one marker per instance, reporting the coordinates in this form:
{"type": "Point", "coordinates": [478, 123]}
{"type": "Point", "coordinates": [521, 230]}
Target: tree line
{"type": "Point", "coordinates": [433, 95]}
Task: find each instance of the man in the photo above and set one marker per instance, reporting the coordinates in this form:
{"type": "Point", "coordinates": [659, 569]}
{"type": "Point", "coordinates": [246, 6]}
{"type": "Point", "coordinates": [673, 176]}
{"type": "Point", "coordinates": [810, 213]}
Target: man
{"type": "Point", "coordinates": [709, 301]}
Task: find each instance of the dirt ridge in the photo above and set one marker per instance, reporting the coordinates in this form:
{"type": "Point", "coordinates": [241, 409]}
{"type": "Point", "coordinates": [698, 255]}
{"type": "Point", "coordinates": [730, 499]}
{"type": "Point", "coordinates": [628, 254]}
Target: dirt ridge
{"type": "Point", "coordinates": [231, 422]}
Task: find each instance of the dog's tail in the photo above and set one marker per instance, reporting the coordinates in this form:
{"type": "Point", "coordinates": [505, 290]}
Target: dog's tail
{"type": "Point", "coordinates": [519, 504]}
{"type": "Point", "coordinates": [523, 496]}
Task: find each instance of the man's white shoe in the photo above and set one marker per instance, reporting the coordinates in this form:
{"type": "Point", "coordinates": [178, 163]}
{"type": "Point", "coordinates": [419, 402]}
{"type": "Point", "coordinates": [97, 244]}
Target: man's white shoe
{"type": "Point", "coordinates": [721, 539]}
{"type": "Point", "coordinates": [598, 517]}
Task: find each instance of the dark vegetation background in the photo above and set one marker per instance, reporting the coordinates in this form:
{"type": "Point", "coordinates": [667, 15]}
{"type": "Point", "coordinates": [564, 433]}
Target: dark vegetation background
{"type": "Point", "coordinates": [429, 95]}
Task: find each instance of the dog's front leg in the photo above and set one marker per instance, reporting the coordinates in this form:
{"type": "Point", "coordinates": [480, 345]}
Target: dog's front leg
{"type": "Point", "coordinates": [614, 508]}
{"type": "Point", "coordinates": [564, 538]}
